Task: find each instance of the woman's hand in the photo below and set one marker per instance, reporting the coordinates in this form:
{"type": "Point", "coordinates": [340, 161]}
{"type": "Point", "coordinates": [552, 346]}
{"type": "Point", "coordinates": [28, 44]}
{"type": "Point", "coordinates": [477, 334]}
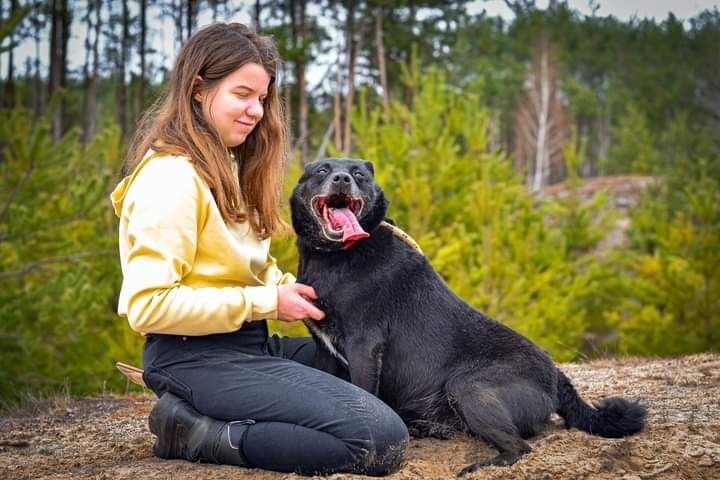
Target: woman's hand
{"type": "Point", "coordinates": [294, 303]}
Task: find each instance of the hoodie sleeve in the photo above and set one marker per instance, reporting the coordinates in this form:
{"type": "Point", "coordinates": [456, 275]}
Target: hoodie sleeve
{"type": "Point", "coordinates": [272, 275]}
{"type": "Point", "coordinates": [164, 207]}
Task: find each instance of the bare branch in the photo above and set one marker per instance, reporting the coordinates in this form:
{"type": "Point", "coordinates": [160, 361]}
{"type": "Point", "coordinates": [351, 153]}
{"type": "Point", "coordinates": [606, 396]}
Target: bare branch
{"type": "Point", "coordinates": [325, 139]}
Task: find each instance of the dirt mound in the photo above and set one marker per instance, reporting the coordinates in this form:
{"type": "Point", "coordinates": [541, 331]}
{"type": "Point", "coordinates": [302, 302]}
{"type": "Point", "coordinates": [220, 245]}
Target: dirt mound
{"type": "Point", "coordinates": [108, 438]}
{"type": "Point", "coordinates": [624, 190]}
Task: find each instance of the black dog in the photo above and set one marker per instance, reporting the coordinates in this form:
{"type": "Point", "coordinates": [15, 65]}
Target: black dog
{"type": "Point", "coordinates": [399, 332]}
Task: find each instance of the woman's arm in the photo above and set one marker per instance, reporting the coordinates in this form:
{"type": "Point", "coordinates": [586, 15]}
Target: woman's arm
{"type": "Point", "coordinates": [272, 275]}
{"type": "Point", "coordinates": [295, 300]}
{"type": "Point", "coordinates": [164, 208]}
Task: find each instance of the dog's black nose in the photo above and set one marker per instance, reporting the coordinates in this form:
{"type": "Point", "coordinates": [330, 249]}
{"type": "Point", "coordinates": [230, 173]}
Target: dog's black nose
{"type": "Point", "coordinates": [340, 178]}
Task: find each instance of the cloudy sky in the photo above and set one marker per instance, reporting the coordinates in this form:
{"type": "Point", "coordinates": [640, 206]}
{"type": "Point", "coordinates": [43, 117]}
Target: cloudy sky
{"type": "Point", "coordinates": [622, 9]}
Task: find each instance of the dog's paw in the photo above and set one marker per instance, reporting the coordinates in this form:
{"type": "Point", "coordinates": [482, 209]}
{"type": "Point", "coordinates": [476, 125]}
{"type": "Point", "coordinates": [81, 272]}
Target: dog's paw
{"type": "Point", "coordinates": [469, 469]}
{"type": "Point", "coordinates": [426, 428]}
{"type": "Point", "coordinates": [502, 460]}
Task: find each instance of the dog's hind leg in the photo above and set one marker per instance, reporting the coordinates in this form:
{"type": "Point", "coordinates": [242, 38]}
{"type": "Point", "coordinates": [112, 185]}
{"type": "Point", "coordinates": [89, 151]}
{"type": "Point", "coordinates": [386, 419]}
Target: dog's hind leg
{"type": "Point", "coordinates": [494, 413]}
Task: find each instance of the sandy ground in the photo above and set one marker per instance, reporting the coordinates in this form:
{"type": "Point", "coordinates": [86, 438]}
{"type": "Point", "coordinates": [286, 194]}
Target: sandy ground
{"type": "Point", "coordinates": [108, 437]}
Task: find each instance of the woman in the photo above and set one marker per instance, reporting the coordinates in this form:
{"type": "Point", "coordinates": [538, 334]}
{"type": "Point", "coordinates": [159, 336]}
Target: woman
{"type": "Point", "coordinates": [196, 210]}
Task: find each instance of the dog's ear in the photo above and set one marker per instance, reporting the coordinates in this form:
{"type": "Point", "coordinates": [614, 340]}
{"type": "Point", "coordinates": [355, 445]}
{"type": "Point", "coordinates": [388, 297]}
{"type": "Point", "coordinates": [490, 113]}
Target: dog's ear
{"type": "Point", "coordinates": [370, 167]}
{"type": "Point", "coordinates": [307, 170]}
{"type": "Point", "coordinates": [309, 166]}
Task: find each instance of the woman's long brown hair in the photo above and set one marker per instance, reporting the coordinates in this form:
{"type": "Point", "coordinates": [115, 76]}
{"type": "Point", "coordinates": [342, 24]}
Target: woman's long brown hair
{"type": "Point", "coordinates": [175, 125]}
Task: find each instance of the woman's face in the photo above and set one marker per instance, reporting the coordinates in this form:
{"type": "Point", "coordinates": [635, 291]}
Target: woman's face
{"type": "Point", "coordinates": [235, 105]}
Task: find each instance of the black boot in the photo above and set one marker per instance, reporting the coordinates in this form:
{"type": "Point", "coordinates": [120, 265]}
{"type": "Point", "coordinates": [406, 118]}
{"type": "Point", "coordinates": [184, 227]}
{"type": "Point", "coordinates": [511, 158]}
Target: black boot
{"type": "Point", "coordinates": [183, 433]}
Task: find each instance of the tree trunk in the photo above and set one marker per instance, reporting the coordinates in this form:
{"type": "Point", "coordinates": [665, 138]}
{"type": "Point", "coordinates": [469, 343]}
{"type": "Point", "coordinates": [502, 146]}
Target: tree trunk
{"type": "Point", "coordinates": [91, 93]}
{"type": "Point", "coordinates": [337, 106]}
{"type": "Point", "coordinates": [323, 143]}
{"type": "Point", "coordinates": [2, 21]}
{"type": "Point", "coordinates": [87, 133]}
{"type": "Point", "coordinates": [541, 153]}
{"type": "Point", "coordinates": [604, 134]}
{"type": "Point", "coordinates": [411, 54]}
{"type": "Point", "coordinates": [381, 58]}
{"type": "Point", "coordinates": [300, 73]}
{"type": "Point", "coordinates": [122, 110]}
{"type": "Point", "coordinates": [215, 7]}
{"type": "Point", "coordinates": [581, 135]}
{"type": "Point", "coordinates": [88, 48]}
{"type": "Point", "coordinates": [541, 127]}
{"type": "Point", "coordinates": [9, 94]}
{"type": "Point", "coordinates": [351, 45]}
{"type": "Point", "coordinates": [59, 34]}
{"type": "Point", "coordinates": [140, 104]}
{"type": "Point", "coordinates": [256, 14]}
{"type": "Point", "coordinates": [288, 97]}
{"type": "Point", "coordinates": [293, 45]}
{"type": "Point", "coordinates": [178, 19]}
{"type": "Point", "coordinates": [190, 17]}
{"type": "Point", "coordinates": [38, 92]}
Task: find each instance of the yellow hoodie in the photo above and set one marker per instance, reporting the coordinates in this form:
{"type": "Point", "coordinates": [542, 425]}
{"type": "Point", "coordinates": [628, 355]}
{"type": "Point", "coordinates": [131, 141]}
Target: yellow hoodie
{"type": "Point", "coordinates": [185, 271]}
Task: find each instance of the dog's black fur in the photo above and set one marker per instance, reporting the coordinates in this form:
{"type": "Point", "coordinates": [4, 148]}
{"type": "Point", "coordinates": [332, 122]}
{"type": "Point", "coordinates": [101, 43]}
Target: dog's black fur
{"type": "Point", "coordinates": [441, 364]}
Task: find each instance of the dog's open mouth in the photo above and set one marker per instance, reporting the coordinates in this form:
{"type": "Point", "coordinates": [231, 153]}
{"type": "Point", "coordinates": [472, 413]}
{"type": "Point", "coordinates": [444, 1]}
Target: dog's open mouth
{"type": "Point", "coordinates": [337, 215]}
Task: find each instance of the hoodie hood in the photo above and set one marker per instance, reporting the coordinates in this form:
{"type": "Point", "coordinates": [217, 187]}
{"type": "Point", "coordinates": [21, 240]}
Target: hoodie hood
{"type": "Point", "coordinates": [118, 195]}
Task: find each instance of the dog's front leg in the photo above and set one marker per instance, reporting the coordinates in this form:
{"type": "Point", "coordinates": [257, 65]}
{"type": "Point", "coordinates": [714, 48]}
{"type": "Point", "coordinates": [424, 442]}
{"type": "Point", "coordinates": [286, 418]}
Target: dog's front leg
{"type": "Point", "coordinates": [327, 363]}
{"type": "Point", "coordinates": [365, 363]}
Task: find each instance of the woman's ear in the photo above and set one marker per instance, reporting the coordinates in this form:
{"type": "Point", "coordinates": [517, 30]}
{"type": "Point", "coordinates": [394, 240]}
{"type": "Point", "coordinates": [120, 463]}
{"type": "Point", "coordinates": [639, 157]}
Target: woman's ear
{"type": "Point", "coordinates": [197, 92]}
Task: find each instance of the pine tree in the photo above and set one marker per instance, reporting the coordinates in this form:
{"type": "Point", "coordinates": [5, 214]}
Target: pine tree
{"type": "Point", "coordinates": [58, 269]}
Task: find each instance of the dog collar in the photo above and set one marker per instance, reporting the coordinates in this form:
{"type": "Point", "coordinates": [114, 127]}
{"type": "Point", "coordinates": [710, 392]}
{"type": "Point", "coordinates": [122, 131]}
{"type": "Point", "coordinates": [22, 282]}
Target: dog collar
{"type": "Point", "coordinates": [402, 236]}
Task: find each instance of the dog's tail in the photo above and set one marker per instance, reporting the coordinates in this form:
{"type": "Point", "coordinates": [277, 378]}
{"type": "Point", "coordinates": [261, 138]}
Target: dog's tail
{"type": "Point", "coordinates": [612, 417]}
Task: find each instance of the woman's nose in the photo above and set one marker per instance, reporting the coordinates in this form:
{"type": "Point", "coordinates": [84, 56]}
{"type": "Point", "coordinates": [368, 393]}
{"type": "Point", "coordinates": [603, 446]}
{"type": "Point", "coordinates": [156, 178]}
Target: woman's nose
{"type": "Point", "coordinates": [255, 108]}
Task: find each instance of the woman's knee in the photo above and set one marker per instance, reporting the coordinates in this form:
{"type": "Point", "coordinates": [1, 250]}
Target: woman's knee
{"type": "Point", "coordinates": [388, 441]}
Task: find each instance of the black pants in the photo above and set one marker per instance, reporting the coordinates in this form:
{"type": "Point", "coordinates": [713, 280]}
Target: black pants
{"type": "Point", "coordinates": [301, 419]}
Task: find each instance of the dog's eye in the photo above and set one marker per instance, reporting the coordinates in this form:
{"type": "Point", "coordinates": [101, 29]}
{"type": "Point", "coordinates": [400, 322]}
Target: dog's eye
{"type": "Point", "coordinates": [321, 171]}
{"type": "Point", "coordinates": [358, 174]}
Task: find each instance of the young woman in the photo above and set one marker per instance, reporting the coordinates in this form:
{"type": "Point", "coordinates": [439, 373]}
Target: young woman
{"type": "Point", "coordinates": [197, 208]}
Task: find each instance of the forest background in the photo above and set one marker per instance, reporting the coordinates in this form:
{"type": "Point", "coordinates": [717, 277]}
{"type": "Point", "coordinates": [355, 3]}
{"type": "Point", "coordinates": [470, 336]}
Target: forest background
{"type": "Point", "coordinates": [492, 138]}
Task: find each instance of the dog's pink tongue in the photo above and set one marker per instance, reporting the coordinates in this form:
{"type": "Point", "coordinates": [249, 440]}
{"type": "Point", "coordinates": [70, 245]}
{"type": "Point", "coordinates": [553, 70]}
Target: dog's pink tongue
{"type": "Point", "coordinates": [352, 231]}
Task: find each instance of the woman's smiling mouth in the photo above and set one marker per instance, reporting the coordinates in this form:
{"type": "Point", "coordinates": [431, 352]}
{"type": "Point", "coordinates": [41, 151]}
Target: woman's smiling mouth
{"type": "Point", "coordinates": [246, 125]}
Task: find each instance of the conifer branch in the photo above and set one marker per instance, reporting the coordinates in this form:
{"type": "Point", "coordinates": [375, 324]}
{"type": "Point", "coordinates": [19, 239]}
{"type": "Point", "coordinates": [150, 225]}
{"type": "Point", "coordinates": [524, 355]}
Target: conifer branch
{"type": "Point", "coordinates": [59, 259]}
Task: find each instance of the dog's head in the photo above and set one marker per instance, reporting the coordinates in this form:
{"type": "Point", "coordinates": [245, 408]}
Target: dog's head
{"type": "Point", "coordinates": [335, 203]}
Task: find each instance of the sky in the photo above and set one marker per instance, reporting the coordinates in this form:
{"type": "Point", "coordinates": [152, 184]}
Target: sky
{"type": "Point", "coordinates": [622, 9]}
